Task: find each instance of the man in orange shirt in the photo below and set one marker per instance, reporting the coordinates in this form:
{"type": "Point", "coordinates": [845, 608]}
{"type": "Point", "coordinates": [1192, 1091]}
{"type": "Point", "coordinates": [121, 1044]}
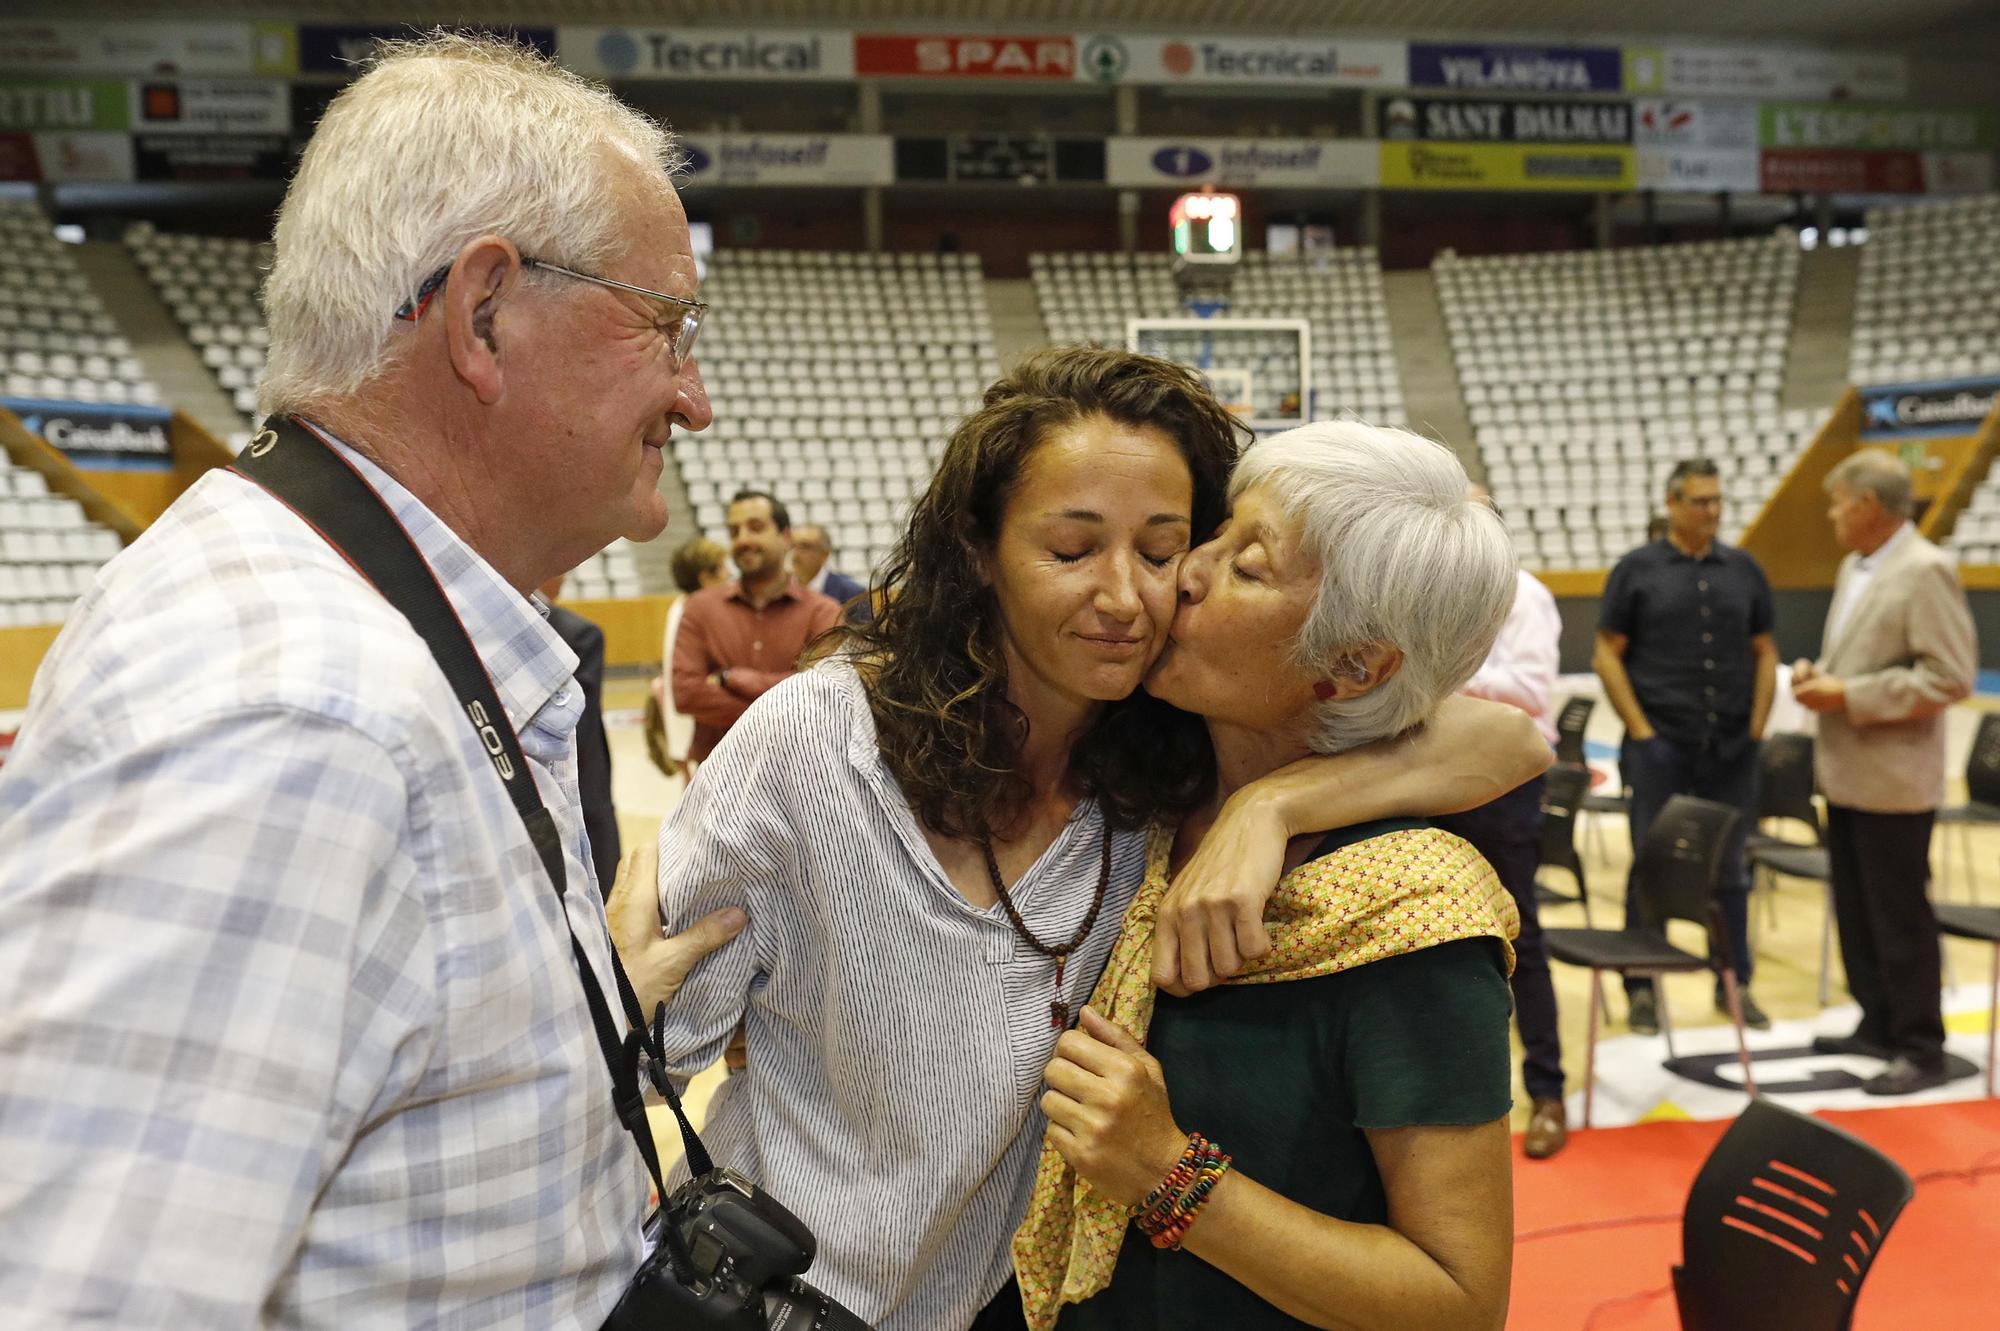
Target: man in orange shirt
{"type": "Point", "coordinates": [738, 640]}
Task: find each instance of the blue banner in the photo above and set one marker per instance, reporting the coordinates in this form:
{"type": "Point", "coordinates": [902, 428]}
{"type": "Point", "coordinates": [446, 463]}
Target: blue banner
{"type": "Point", "coordinates": [98, 435]}
{"type": "Point", "coordinates": [1477, 68]}
{"type": "Point", "coordinates": [1941, 407]}
{"type": "Point", "coordinates": [336, 48]}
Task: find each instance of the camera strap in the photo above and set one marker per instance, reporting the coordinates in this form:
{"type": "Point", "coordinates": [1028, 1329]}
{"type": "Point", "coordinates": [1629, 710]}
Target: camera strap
{"type": "Point", "coordinates": [302, 471]}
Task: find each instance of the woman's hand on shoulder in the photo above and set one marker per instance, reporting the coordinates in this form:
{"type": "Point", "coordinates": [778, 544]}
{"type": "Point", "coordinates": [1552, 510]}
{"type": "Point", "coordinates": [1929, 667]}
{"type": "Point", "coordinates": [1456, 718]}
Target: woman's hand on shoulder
{"type": "Point", "coordinates": [1211, 922]}
{"type": "Point", "coordinates": [1108, 1110]}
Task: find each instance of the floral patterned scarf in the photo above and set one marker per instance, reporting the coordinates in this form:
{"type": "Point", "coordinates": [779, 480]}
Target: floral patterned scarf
{"type": "Point", "coordinates": [1398, 892]}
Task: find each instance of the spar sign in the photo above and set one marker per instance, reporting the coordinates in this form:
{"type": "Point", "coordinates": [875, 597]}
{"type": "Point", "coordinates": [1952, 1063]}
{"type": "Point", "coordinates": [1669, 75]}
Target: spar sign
{"type": "Point", "coordinates": [974, 56]}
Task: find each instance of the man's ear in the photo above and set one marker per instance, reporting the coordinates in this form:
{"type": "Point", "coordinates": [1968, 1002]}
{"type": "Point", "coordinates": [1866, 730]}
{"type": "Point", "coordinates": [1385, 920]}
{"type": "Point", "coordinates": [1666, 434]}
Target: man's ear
{"type": "Point", "coordinates": [486, 275]}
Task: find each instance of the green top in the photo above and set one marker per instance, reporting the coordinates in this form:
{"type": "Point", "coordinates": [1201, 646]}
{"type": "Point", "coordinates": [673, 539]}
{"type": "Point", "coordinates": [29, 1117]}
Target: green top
{"type": "Point", "coordinates": [1286, 1078]}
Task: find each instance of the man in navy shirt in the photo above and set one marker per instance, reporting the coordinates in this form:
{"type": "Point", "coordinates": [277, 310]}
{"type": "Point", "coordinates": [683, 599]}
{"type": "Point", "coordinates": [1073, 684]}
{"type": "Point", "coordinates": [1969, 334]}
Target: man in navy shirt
{"type": "Point", "coordinates": [1685, 650]}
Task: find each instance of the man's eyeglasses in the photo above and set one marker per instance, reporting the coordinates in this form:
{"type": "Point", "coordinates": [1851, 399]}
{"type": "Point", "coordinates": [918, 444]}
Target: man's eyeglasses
{"type": "Point", "coordinates": [687, 321]}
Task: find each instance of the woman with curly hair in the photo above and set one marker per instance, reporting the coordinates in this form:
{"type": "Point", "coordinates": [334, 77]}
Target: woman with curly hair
{"type": "Point", "coordinates": [936, 829]}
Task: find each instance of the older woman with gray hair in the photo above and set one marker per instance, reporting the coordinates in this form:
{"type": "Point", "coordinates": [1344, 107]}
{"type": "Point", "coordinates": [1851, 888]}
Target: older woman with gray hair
{"type": "Point", "coordinates": [1323, 1140]}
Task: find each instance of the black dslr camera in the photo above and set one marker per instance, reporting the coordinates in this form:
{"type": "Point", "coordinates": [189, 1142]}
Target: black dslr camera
{"type": "Point", "coordinates": [726, 1254]}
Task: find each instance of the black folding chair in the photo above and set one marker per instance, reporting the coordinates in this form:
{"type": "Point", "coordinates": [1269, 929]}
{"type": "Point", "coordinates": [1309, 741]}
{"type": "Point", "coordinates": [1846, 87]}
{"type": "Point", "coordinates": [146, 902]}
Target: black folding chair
{"type": "Point", "coordinates": [1562, 793]}
{"type": "Point", "coordinates": [1783, 1224]}
{"type": "Point", "coordinates": [1571, 722]}
{"type": "Point", "coordinates": [1785, 794]}
{"type": "Point", "coordinates": [1982, 806]}
{"type": "Point", "coordinates": [1678, 873]}
{"type": "Point", "coordinates": [1981, 924]}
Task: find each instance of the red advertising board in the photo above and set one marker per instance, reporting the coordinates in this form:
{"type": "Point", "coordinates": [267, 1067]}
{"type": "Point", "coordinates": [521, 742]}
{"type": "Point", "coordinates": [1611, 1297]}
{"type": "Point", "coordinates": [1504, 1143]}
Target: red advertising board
{"type": "Point", "coordinates": [18, 160]}
{"type": "Point", "coordinates": [974, 56]}
{"type": "Point", "coordinates": [1835, 171]}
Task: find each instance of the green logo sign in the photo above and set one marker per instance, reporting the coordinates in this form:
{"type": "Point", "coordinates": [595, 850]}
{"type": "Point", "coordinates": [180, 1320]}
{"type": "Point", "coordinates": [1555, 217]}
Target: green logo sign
{"type": "Point", "coordinates": [52, 105]}
{"type": "Point", "coordinates": [1105, 60]}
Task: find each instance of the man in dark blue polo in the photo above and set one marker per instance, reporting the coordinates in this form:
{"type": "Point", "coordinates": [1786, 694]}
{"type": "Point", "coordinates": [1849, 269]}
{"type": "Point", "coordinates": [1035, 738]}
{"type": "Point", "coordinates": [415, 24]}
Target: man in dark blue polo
{"type": "Point", "coordinates": [1686, 653]}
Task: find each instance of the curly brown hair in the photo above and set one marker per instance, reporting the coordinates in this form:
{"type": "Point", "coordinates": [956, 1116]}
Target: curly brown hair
{"type": "Point", "coordinates": [936, 678]}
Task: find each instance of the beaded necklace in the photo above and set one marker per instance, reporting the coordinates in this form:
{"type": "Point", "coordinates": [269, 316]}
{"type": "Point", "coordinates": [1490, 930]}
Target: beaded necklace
{"type": "Point", "coordinates": [1059, 1012]}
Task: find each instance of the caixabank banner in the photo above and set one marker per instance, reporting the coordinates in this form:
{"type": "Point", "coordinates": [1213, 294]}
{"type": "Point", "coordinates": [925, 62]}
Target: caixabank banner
{"type": "Point", "coordinates": [1940, 407]}
{"type": "Point", "coordinates": [98, 436]}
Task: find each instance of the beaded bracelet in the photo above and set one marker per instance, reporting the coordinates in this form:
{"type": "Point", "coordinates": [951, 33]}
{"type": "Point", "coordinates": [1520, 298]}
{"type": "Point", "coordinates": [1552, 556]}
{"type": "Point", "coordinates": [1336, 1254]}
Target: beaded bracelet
{"type": "Point", "coordinates": [1170, 1208]}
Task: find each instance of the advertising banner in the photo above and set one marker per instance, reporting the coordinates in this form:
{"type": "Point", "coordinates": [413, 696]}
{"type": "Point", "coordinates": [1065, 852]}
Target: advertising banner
{"type": "Point", "coordinates": [1507, 166]}
{"type": "Point", "coordinates": [52, 104]}
{"type": "Point", "coordinates": [99, 436]}
{"type": "Point", "coordinates": [707, 53]}
{"type": "Point", "coordinates": [1696, 146]}
{"type": "Point", "coordinates": [90, 155]}
{"type": "Point", "coordinates": [1659, 122]}
{"type": "Point", "coordinates": [1958, 173]}
{"type": "Point", "coordinates": [335, 48]}
{"type": "Point", "coordinates": [1243, 61]}
{"type": "Point", "coordinates": [1517, 68]}
{"type": "Point", "coordinates": [1467, 120]}
{"type": "Point", "coordinates": [1873, 128]}
{"type": "Point", "coordinates": [935, 55]}
{"type": "Point", "coordinates": [1701, 170]}
{"type": "Point", "coordinates": [1835, 171]}
{"type": "Point", "coordinates": [146, 48]}
{"type": "Point", "coordinates": [1756, 71]}
{"type": "Point", "coordinates": [1941, 407]}
{"type": "Point", "coordinates": [213, 106]}
{"type": "Point", "coordinates": [1139, 163]}
{"type": "Point", "coordinates": [790, 159]}
{"type": "Point", "coordinates": [210, 157]}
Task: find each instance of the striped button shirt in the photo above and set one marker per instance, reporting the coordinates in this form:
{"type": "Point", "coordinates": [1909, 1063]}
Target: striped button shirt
{"type": "Point", "coordinates": [290, 1031]}
{"type": "Point", "coordinates": [896, 1034]}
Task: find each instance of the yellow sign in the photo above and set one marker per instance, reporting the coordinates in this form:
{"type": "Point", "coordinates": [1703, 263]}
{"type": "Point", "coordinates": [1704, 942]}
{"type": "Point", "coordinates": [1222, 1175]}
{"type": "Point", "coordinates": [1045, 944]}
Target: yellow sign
{"type": "Point", "coordinates": [1507, 166]}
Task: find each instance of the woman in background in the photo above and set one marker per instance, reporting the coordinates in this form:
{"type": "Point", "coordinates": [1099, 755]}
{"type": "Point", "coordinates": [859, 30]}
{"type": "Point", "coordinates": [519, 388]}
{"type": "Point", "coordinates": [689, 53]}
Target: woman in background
{"type": "Point", "coordinates": [696, 564]}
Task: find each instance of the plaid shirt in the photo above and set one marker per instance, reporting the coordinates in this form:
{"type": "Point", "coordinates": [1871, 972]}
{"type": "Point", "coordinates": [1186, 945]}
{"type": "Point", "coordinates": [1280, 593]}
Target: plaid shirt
{"type": "Point", "coordinates": [290, 1031]}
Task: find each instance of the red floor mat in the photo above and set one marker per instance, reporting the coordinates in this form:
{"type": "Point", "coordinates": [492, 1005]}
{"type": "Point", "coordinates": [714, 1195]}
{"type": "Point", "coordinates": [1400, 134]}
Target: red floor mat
{"type": "Point", "coordinates": [1575, 1266]}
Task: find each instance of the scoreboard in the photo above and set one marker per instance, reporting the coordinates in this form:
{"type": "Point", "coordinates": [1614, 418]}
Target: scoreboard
{"type": "Point", "coordinates": [1207, 227]}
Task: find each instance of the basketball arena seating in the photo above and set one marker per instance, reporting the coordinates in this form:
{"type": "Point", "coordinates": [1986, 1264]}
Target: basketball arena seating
{"type": "Point", "coordinates": [1588, 375]}
{"type": "Point", "coordinates": [835, 379]}
{"type": "Point", "coordinates": [48, 550]}
{"type": "Point", "coordinates": [1975, 537]}
{"type": "Point", "coordinates": [211, 284]}
{"type": "Point", "coordinates": [1088, 298]}
{"type": "Point", "coordinates": [56, 341]}
{"type": "Point", "coordinates": [1928, 301]}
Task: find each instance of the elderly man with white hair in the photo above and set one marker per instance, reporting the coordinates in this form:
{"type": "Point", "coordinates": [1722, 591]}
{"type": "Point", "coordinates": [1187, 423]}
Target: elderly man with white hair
{"type": "Point", "coordinates": [1899, 650]}
{"type": "Point", "coordinates": [292, 1031]}
{"type": "Point", "coordinates": [1335, 1149]}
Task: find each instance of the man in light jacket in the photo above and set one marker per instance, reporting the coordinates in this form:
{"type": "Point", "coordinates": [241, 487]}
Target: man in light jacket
{"type": "Point", "coordinates": [1899, 650]}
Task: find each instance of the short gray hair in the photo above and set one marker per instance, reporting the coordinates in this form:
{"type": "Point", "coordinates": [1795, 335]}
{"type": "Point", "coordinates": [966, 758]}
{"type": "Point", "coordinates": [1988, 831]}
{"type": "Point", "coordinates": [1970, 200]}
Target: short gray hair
{"type": "Point", "coordinates": [1875, 471]}
{"type": "Point", "coordinates": [444, 139]}
{"type": "Point", "coordinates": [1405, 559]}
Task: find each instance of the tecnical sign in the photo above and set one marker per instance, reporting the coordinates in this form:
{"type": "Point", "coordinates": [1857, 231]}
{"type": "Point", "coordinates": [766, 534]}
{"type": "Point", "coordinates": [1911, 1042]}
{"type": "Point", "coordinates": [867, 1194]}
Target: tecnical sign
{"type": "Point", "coordinates": [707, 53]}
